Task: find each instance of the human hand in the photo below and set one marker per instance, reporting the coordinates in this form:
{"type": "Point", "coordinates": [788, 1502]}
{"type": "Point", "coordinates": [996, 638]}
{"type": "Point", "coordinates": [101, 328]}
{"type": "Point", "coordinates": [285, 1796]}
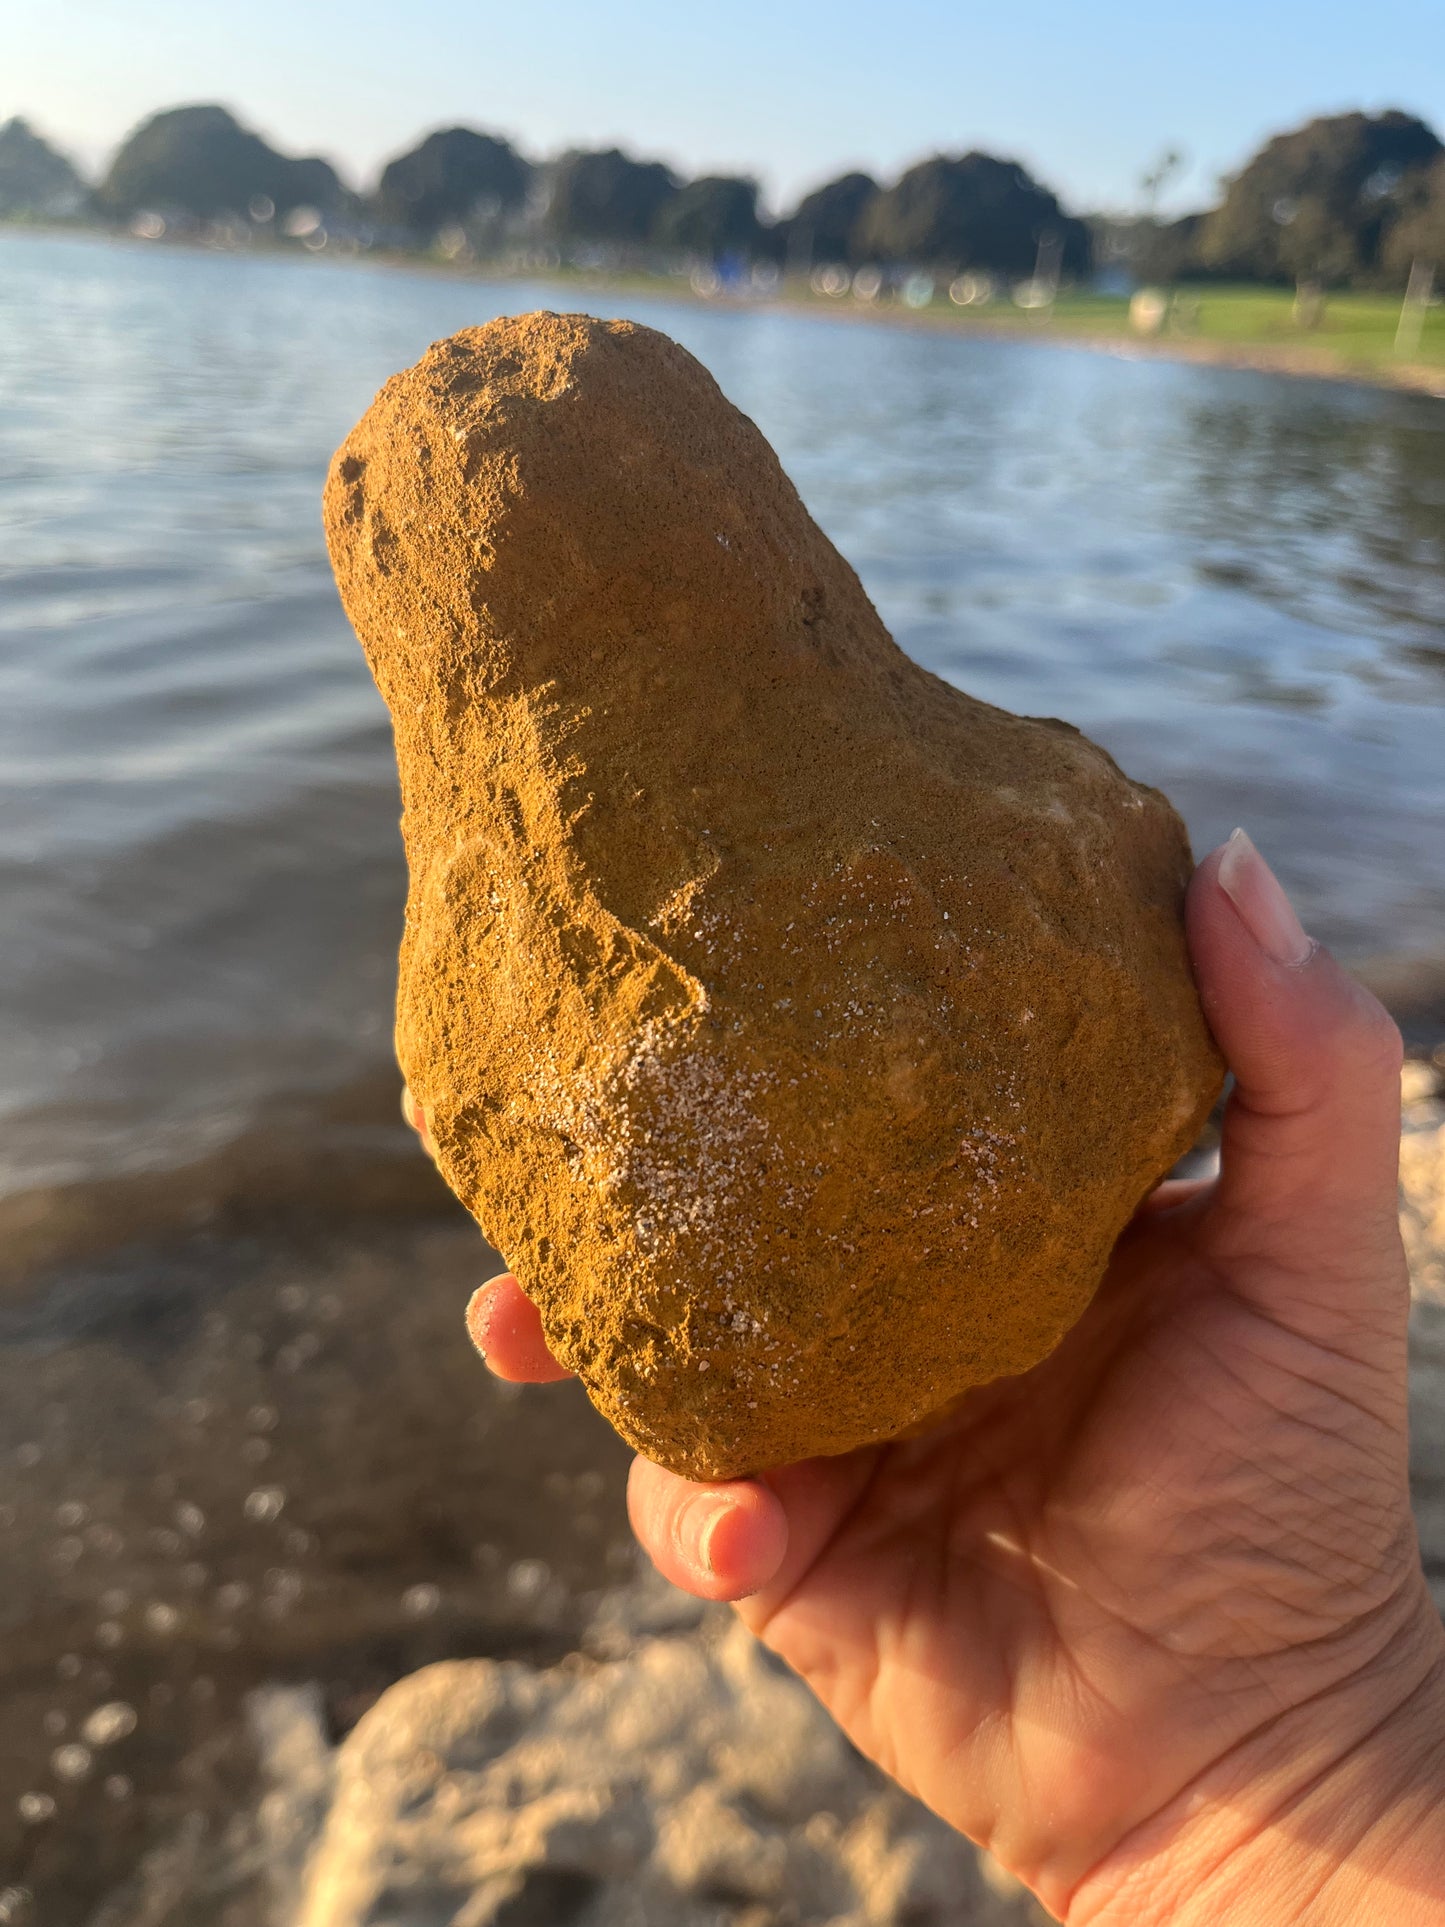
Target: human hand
{"type": "Point", "coordinates": [1149, 1623]}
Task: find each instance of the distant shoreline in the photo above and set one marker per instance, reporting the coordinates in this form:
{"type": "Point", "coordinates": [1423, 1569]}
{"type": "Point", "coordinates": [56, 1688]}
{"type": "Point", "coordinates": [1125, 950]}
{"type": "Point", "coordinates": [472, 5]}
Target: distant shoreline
{"type": "Point", "coordinates": [1310, 360]}
{"type": "Point", "coordinates": [1302, 359]}
{"type": "Point", "coordinates": [1262, 358]}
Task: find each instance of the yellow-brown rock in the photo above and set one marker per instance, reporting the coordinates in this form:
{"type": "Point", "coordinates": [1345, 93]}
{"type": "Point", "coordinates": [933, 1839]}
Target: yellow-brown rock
{"type": "Point", "coordinates": [801, 1030]}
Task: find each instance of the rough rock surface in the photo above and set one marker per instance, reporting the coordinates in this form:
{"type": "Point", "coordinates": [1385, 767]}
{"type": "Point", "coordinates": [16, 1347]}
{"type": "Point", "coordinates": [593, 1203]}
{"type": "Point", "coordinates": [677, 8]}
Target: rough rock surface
{"type": "Point", "coordinates": [802, 1030]}
{"type": "Point", "coordinates": [689, 1782]}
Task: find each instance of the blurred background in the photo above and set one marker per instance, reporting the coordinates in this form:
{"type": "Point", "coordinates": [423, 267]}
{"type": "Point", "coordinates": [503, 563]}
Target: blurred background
{"type": "Point", "coordinates": [1113, 361]}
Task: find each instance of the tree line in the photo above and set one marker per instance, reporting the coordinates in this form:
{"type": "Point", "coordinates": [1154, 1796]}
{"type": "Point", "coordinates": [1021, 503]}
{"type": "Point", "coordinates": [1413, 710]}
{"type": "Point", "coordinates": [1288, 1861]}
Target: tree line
{"type": "Point", "coordinates": [1347, 200]}
{"type": "Point", "coordinates": [1350, 200]}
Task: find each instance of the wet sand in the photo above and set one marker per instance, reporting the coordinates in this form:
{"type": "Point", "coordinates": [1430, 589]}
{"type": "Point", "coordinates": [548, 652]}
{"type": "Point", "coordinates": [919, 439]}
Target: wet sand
{"type": "Point", "coordinates": [266, 1456]}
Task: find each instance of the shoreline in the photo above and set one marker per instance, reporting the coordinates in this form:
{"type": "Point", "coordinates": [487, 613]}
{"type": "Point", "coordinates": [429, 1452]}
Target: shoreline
{"type": "Point", "coordinates": [1296, 362]}
{"type": "Point", "coordinates": [1300, 360]}
{"type": "Point", "coordinates": [1311, 361]}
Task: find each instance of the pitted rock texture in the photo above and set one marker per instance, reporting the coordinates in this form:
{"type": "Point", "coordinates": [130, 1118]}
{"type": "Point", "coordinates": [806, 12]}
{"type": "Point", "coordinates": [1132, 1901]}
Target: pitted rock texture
{"type": "Point", "coordinates": [688, 1782]}
{"type": "Point", "coordinates": [803, 1031]}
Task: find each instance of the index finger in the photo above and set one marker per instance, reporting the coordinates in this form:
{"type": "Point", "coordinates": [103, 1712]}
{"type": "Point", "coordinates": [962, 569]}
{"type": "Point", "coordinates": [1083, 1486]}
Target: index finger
{"type": "Point", "coordinates": [506, 1328]}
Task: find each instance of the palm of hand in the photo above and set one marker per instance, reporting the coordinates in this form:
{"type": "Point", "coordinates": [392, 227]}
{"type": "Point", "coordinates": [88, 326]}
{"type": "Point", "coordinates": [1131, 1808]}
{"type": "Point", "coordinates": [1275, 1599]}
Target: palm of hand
{"type": "Point", "coordinates": [1185, 1521]}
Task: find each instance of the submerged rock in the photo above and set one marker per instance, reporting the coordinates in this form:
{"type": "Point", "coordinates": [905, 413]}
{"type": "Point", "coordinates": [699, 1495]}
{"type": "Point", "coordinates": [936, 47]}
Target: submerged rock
{"type": "Point", "coordinates": [802, 1030]}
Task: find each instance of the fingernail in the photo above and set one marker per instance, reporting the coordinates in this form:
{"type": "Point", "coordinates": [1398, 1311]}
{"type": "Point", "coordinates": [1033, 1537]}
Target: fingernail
{"type": "Point", "coordinates": [1256, 893]}
{"type": "Point", "coordinates": [698, 1527]}
{"type": "Point", "coordinates": [415, 1117]}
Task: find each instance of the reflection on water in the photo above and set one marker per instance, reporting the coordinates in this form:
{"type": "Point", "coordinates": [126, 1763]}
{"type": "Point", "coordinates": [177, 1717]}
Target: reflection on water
{"type": "Point", "coordinates": [1355, 510]}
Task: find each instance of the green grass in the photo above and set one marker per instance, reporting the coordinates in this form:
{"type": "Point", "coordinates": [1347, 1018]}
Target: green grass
{"type": "Point", "coordinates": [1353, 331]}
{"type": "Point", "coordinates": [1354, 334]}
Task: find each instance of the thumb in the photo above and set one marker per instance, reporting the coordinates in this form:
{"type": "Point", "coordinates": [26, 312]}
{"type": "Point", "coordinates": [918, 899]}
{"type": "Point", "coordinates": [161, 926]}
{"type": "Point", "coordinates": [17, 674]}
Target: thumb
{"type": "Point", "coordinates": [1310, 1148]}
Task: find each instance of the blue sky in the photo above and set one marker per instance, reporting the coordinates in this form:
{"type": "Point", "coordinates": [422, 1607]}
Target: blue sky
{"type": "Point", "coordinates": [1086, 94]}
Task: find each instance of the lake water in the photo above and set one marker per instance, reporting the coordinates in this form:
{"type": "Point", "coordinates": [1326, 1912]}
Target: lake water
{"type": "Point", "coordinates": [242, 1435]}
{"type": "Point", "coordinates": [1236, 583]}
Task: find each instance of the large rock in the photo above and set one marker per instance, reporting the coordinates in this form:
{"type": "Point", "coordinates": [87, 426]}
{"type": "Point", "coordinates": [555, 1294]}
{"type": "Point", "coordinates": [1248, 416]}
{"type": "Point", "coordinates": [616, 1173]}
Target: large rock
{"type": "Point", "coordinates": [803, 1031]}
{"type": "Point", "coordinates": [689, 1783]}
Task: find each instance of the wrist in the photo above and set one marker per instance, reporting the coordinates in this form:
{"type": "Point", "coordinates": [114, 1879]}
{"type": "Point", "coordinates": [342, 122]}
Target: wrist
{"type": "Point", "coordinates": [1332, 1812]}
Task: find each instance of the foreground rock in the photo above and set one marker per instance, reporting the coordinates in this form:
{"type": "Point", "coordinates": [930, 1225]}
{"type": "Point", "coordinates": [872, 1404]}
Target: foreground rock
{"type": "Point", "coordinates": [802, 1031]}
{"type": "Point", "coordinates": [690, 1783]}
